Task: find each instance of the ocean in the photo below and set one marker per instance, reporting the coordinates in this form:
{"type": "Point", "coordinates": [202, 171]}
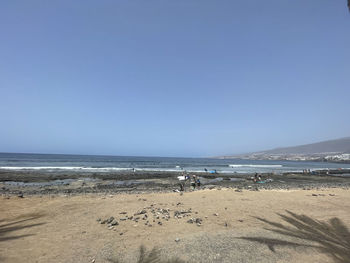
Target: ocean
{"type": "Point", "coordinates": [98, 163]}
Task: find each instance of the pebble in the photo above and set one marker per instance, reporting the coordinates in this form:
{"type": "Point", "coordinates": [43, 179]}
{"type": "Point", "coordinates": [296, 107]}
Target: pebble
{"type": "Point", "coordinates": [109, 220]}
{"type": "Point", "coordinates": [190, 221]}
{"type": "Point", "coordinates": [177, 239]}
{"type": "Point", "coordinates": [199, 220]}
{"type": "Point", "coordinates": [143, 211]}
{"type": "Point", "coordinates": [114, 223]}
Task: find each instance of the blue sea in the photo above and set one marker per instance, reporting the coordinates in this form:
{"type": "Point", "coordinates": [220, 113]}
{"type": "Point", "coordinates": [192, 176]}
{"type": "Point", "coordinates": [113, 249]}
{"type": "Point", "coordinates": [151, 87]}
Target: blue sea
{"type": "Point", "coordinates": [99, 163]}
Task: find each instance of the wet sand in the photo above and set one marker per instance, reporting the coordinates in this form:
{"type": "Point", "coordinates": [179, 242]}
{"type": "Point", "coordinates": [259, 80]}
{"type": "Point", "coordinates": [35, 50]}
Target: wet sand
{"type": "Point", "coordinates": [233, 227]}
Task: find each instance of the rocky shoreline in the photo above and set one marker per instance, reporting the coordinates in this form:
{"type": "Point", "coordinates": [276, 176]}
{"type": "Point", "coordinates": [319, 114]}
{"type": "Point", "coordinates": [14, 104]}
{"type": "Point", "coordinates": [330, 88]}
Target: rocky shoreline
{"type": "Point", "coordinates": [40, 183]}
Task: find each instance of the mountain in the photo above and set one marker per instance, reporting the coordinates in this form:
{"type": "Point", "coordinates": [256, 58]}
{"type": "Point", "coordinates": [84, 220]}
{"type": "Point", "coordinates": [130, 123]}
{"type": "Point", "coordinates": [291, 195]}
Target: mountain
{"type": "Point", "coordinates": [333, 151]}
{"type": "Point", "coordinates": [333, 146]}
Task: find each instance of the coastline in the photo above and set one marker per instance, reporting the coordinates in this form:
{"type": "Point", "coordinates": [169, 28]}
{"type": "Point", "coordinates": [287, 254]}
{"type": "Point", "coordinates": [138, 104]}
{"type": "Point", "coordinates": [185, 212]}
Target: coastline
{"type": "Point", "coordinates": [41, 182]}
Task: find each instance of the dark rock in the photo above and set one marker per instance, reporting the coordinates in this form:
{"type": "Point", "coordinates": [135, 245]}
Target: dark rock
{"type": "Point", "coordinates": [190, 221]}
{"type": "Point", "coordinates": [199, 220]}
{"type": "Point", "coordinates": [109, 220]}
{"type": "Point", "coordinates": [114, 223]}
{"type": "Point", "coordinates": [143, 211]}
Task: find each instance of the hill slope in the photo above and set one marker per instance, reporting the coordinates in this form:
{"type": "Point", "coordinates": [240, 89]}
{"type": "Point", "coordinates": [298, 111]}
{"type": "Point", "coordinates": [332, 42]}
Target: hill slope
{"type": "Point", "coordinates": [333, 146]}
{"type": "Point", "coordinates": [333, 150]}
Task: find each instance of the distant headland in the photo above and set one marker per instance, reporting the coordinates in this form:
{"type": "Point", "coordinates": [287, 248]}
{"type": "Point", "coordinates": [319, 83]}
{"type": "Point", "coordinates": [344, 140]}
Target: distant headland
{"type": "Point", "coordinates": [326, 151]}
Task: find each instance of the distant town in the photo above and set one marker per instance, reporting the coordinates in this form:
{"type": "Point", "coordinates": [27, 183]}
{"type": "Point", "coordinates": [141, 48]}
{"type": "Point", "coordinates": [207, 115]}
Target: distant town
{"type": "Point", "coordinates": [322, 157]}
{"type": "Point", "coordinates": [327, 151]}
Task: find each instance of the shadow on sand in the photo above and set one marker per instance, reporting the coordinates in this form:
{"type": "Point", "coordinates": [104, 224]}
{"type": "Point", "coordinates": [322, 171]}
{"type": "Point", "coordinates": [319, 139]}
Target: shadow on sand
{"type": "Point", "coordinates": [152, 256]}
{"type": "Point", "coordinates": [331, 238]}
{"type": "Point", "coordinates": [7, 230]}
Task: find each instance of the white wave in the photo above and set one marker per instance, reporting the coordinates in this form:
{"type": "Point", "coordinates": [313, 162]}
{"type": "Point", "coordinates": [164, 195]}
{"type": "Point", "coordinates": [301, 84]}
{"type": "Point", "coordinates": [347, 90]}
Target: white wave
{"type": "Point", "coordinates": [87, 169]}
{"type": "Point", "coordinates": [62, 168]}
{"type": "Point", "coordinates": [255, 165]}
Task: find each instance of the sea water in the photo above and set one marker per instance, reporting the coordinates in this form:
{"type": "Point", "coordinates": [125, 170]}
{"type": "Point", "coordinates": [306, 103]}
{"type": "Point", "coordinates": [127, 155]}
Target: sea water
{"type": "Point", "coordinates": [99, 163]}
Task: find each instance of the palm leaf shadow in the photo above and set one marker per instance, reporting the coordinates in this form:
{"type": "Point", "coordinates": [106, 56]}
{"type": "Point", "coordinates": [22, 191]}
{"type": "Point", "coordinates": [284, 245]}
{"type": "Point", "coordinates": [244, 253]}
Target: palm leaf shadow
{"type": "Point", "coordinates": [331, 238]}
{"type": "Point", "coordinates": [7, 230]}
{"type": "Point", "coordinates": [152, 256]}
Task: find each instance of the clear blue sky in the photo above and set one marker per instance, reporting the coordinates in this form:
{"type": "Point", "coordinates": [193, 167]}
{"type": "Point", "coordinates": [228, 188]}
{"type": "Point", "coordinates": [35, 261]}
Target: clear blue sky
{"type": "Point", "coordinates": [172, 78]}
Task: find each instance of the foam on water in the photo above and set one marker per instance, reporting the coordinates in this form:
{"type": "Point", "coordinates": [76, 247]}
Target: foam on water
{"type": "Point", "coordinates": [255, 165]}
{"type": "Point", "coordinates": [63, 168]}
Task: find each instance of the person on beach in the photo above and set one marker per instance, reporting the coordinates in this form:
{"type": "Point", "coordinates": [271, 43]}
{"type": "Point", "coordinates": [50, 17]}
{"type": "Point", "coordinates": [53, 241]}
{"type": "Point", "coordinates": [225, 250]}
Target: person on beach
{"type": "Point", "coordinates": [193, 182]}
{"type": "Point", "coordinates": [255, 177]}
{"type": "Point", "coordinates": [259, 178]}
{"type": "Point", "coordinates": [198, 182]}
{"type": "Point", "coordinates": [182, 180]}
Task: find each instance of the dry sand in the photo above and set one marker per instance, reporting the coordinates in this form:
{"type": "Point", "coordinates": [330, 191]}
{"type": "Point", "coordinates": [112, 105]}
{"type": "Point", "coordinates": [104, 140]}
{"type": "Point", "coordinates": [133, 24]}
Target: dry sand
{"type": "Point", "coordinates": [64, 228]}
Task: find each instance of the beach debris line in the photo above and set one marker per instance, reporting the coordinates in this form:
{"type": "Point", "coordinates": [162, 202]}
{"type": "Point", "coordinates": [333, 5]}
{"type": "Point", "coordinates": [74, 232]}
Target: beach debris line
{"type": "Point", "coordinates": [152, 215]}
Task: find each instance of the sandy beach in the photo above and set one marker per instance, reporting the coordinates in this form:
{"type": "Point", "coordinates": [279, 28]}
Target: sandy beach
{"type": "Point", "coordinates": [227, 225]}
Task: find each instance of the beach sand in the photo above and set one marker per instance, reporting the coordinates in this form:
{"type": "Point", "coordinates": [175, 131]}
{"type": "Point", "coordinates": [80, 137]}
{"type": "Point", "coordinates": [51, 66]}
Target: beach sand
{"type": "Point", "coordinates": [61, 228]}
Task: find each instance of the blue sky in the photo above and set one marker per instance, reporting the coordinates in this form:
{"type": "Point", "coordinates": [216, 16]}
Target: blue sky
{"type": "Point", "coordinates": [172, 78]}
